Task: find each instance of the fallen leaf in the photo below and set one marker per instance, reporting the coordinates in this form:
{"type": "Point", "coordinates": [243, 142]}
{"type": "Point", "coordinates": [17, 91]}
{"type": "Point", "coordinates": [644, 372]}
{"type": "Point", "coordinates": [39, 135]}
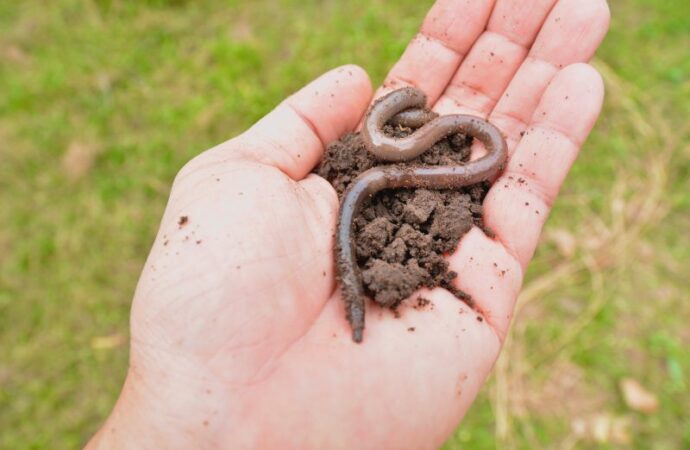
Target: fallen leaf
{"type": "Point", "coordinates": [78, 159]}
{"type": "Point", "coordinates": [207, 116]}
{"type": "Point", "coordinates": [5, 374]}
{"type": "Point", "coordinates": [107, 342]}
{"type": "Point", "coordinates": [603, 428]}
{"type": "Point", "coordinates": [104, 82]}
{"type": "Point", "coordinates": [619, 432]}
{"type": "Point", "coordinates": [242, 31]}
{"type": "Point", "coordinates": [15, 54]}
{"type": "Point", "coordinates": [637, 398]}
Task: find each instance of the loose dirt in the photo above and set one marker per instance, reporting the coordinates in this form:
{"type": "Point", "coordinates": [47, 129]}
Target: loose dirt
{"type": "Point", "coordinates": [402, 235]}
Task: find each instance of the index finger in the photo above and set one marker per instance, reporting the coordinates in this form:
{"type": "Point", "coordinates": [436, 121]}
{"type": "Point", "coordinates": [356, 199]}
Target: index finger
{"type": "Point", "coordinates": [434, 54]}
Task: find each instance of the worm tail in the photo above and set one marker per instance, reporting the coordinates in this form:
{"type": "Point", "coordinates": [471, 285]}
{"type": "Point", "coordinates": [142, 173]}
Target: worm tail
{"type": "Point", "coordinates": [356, 314]}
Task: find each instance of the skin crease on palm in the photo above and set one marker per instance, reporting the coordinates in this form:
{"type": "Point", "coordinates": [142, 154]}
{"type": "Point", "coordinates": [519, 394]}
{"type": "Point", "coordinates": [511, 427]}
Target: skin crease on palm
{"type": "Point", "coordinates": [238, 332]}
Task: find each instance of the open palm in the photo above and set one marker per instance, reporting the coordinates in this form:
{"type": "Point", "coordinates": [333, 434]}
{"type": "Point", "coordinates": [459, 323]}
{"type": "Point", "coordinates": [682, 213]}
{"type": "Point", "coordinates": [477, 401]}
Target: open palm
{"type": "Point", "coordinates": [239, 337]}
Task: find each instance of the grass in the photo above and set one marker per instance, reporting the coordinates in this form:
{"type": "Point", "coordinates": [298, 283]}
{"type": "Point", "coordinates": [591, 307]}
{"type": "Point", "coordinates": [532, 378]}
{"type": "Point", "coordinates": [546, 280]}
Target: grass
{"type": "Point", "coordinates": [102, 101]}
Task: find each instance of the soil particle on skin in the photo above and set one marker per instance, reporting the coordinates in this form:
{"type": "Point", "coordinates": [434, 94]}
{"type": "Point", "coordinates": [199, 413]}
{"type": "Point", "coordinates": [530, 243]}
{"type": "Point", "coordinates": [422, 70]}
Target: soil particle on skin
{"type": "Point", "coordinates": [422, 303]}
{"type": "Point", "coordinates": [402, 235]}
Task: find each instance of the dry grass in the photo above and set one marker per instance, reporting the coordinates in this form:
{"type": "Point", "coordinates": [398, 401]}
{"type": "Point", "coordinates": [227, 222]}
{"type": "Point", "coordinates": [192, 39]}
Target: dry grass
{"type": "Point", "coordinates": [609, 243]}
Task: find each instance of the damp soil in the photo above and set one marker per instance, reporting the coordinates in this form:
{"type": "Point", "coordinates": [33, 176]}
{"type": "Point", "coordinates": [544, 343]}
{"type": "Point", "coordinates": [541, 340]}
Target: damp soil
{"type": "Point", "coordinates": [403, 235]}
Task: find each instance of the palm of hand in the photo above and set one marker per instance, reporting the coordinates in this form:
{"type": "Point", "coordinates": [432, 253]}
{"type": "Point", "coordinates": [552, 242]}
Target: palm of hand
{"type": "Point", "coordinates": [238, 331]}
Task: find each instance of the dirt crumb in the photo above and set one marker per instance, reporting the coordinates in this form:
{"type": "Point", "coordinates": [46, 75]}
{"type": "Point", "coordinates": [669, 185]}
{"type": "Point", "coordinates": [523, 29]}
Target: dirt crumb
{"type": "Point", "coordinates": [402, 235]}
{"type": "Point", "coordinates": [422, 303]}
{"type": "Point", "coordinates": [393, 282]}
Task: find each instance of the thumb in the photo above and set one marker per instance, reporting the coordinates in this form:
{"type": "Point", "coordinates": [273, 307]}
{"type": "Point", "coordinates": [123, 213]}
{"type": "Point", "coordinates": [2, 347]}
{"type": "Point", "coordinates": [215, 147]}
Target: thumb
{"type": "Point", "coordinates": [294, 135]}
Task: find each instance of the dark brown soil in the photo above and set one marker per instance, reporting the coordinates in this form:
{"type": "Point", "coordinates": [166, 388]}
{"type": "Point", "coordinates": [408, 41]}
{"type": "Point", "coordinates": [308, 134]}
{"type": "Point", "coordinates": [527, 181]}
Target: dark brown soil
{"type": "Point", "coordinates": [402, 235]}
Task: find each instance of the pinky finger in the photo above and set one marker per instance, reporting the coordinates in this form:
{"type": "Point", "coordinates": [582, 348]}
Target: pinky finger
{"type": "Point", "coordinates": [519, 202]}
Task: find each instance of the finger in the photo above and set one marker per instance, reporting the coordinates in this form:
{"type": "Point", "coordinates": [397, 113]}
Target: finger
{"type": "Point", "coordinates": [293, 136]}
{"type": "Point", "coordinates": [517, 205]}
{"type": "Point", "coordinates": [494, 58]}
{"type": "Point", "coordinates": [571, 34]}
{"type": "Point", "coordinates": [491, 271]}
{"type": "Point", "coordinates": [432, 57]}
{"type": "Point", "coordinates": [490, 275]}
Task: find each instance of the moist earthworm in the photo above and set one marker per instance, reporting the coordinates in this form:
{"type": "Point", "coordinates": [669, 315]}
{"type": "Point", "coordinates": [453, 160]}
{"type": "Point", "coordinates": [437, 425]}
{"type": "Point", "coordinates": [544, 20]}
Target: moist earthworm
{"type": "Point", "coordinates": [398, 176]}
{"type": "Point", "coordinates": [412, 118]}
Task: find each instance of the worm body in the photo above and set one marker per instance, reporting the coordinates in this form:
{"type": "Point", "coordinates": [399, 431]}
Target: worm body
{"type": "Point", "coordinates": [412, 118]}
{"type": "Point", "coordinates": [376, 179]}
{"type": "Point", "coordinates": [390, 148]}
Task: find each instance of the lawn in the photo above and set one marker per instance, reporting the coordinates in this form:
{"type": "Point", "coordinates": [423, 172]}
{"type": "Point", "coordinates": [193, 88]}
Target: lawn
{"type": "Point", "coordinates": [102, 101]}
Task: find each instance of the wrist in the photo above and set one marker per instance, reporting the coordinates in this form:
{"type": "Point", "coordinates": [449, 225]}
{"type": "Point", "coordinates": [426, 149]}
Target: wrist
{"type": "Point", "coordinates": [145, 417]}
{"type": "Point", "coordinates": [129, 424]}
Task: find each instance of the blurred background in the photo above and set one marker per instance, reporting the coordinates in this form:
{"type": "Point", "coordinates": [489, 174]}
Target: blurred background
{"type": "Point", "coordinates": [102, 101]}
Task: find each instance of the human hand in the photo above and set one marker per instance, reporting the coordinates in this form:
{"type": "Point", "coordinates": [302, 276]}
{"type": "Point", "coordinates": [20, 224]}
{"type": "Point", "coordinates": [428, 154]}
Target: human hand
{"type": "Point", "coordinates": [238, 333]}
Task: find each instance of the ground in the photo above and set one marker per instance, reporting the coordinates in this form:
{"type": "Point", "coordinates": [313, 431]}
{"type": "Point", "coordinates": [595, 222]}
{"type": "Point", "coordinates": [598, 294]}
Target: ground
{"type": "Point", "coordinates": [102, 101]}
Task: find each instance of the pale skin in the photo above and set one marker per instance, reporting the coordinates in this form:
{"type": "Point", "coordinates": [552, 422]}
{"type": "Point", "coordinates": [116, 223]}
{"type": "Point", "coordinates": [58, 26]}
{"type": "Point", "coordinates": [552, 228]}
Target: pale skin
{"type": "Point", "coordinates": [238, 333]}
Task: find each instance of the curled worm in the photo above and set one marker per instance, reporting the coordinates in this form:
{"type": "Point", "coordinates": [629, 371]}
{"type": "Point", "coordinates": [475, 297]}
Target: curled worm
{"type": "Point", "coordinates": [378, 178]}
{"type": "Point", "coordinates": [412, 118]}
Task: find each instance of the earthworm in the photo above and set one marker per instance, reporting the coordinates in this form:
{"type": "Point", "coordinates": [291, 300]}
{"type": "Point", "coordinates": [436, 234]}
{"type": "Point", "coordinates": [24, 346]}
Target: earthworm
{"type": "Point", "coordinates": [378, 178]}
{"type": "Point", "coordinates": [412, 118]}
